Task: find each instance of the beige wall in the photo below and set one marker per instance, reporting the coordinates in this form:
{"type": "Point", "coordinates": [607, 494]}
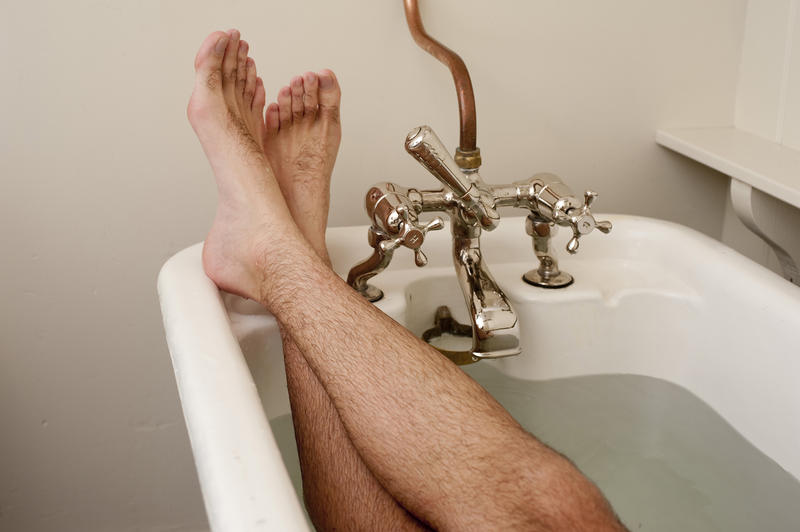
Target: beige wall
{"type": "Point", "coordinates": [102, 180]}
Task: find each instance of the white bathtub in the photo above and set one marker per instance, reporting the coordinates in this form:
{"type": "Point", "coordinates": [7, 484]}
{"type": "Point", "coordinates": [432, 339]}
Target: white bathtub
{"type": "Point", "coordinates": [652, 298]}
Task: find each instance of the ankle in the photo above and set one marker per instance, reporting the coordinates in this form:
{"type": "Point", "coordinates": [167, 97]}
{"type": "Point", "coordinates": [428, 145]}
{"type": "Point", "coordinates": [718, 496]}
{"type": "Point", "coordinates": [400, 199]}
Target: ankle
{"type": "Point", "coordinates": [321, 249]}
{"type": "Point", "coordinates": [282, 265]}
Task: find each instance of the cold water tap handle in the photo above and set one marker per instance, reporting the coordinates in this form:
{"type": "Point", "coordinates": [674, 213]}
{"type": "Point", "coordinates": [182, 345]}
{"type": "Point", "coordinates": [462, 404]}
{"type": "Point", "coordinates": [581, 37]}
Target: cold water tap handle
{"type": "Point", "coordinates": [582, 222]}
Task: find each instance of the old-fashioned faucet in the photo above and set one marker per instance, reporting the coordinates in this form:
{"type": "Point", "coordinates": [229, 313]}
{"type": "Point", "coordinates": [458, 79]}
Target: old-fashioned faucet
{"type": "Point", "coordinates": [471, 205]}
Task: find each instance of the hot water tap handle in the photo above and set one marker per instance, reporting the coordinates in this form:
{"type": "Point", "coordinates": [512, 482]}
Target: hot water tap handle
{"type": "Point", "coordinates": [412, 234]}
{"type": "Point", "coordinates": [582, 222]}
{"type": "Point", "coordinates": [394, 211]}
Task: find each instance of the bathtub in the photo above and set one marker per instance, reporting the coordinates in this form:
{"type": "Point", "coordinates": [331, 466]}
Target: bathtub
{"type": "Point", "coordinates": [652, 298]}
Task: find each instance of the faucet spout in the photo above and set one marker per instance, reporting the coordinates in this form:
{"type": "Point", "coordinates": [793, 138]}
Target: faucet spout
{"type": "Point", "coordinates": [495, 328]}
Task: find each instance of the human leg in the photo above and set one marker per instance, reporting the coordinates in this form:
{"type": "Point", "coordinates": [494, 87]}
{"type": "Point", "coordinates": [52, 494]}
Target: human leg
{"type": "Point", "coordinates": [302, 140]}
{"type": "Point", "coordinates": [226, 111]}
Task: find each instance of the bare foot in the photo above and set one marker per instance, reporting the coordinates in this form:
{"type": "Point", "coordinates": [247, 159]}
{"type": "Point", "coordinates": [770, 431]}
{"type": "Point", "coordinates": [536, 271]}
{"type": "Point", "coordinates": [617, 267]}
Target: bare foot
{"type": "Point", "coordinates": [225, 111]}
{"type": "Point", "coordinates": [301, 143]}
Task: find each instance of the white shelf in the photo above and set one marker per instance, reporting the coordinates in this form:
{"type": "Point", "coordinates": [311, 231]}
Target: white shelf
{"type": "Point", "coordinates": [762, 164]}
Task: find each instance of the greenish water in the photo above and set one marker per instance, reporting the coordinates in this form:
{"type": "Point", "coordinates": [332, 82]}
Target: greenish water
{"type": "Point", "coordinates": [664, 458]}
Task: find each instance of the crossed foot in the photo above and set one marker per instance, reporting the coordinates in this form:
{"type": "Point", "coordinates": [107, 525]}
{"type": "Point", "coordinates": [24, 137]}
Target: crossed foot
{"type": "Point", "coordinates": [273, 173]}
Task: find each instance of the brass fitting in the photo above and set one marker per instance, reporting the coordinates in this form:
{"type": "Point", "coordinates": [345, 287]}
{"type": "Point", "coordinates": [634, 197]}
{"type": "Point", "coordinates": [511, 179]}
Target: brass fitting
{"type": "Point", "coordinates": [468, 160]}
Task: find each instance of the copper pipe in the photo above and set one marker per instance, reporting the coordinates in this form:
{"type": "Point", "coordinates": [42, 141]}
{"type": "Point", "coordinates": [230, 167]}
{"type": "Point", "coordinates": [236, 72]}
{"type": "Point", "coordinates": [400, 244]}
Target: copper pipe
{"type": "Point", "coordinates": [470, 155]}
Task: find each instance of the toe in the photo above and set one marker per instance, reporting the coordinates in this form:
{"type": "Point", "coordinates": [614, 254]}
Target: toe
{"type": "Point", "coordinates": [310, 96]}
{"type": "Point", "coordinates": [330, 96]}
{"type": "Point", "coordinates": [260, 95]}
{"type": "Point", "coordinates": [285, 106]}
{"type": "Point", "coordinates": [257, 108]}
{"type": "Point", "coordinates": [297, 98]}
{"type": "Point", "coordinates": [249, 83]}
{"type": "Point", "coordinates": [208, 62]}
{"type": "Point", "coordinates": [241, 68]}
{"type": "Point", "coordinates": [273, 118]}
{"type": "Point", "coordinates": [229, 65]}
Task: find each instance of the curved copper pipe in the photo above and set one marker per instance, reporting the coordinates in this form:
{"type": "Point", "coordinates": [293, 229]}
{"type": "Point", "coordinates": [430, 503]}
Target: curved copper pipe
{"type": "Point", "coordinates": [466, 98]}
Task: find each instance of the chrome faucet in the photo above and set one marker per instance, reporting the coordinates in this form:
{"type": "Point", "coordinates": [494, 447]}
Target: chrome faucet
{"type": "Point", "coordinates": [471, 205]}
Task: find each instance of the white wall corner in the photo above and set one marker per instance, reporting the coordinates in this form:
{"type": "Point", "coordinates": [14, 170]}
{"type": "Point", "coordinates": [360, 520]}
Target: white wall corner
{"type": "Point", "coordinates": [791, 112]}
{"type": "Point", "coordinates": [762, 71]}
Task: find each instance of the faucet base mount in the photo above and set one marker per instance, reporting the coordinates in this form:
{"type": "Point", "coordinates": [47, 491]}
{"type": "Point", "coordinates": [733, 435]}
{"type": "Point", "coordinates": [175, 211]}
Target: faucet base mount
{"type": "Point", "coordinates": [560, 280]}
{"type": "Point", "coordinates": [444, 323]}
{"type": "Point", "coordinates": [371, 293]}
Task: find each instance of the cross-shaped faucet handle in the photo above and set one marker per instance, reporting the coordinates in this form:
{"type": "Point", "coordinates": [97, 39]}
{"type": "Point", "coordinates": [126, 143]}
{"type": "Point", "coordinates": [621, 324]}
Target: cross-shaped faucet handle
{"type": "Point", "coordinates": [582, 222]}
{"type": "Point", "coordinates": [412, 234]}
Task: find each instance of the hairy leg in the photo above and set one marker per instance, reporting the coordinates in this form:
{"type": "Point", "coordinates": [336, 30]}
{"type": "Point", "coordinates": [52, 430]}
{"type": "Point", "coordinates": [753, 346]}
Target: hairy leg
{"type": "Point", "coordinates": [226, 111]}
{"type": "Point", "coordinates": [434, 439]}
{"type": "Point", "coordinates": [302, 140]}
{"type": "Point", "coordinates": [432, 436]}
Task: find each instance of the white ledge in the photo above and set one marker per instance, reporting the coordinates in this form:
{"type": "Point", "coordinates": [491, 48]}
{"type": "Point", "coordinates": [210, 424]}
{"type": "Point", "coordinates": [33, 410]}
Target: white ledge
{"type": "Point", "coordinates": [762, 164]}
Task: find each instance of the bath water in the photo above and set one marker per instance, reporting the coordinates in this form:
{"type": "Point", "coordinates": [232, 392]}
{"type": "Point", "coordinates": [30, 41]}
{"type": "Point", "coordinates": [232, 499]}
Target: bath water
{"type": "Point", "coordinates": [664, 458]}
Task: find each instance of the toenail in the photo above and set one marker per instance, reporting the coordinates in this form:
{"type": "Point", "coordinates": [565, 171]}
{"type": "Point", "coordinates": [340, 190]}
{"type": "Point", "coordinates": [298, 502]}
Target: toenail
{"type": "Point", "coordinates": [222, 42]}
{"type": "Point", "coordinates": [326, 81]}
{"type": "Point", "coordinates": [234, 33]}
{"type": "Point", "coordinates": [310, 77]}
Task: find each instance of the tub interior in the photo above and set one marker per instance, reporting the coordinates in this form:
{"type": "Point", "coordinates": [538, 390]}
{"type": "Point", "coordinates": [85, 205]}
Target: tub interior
{"type": "Point", "coordinates": [672, 386]}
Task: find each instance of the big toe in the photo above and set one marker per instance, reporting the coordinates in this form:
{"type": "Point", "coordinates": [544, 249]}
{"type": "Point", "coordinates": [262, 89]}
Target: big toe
{"type": "Point", "coordinates": [230, 67]}
{"type": "Point", "coordinates": [330, 95]}
{"type": "Point", "coordinates": [208, 62]}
